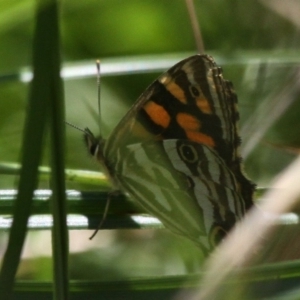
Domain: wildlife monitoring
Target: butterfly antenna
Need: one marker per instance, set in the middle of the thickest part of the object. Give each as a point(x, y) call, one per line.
point(103, 218)
point(100, 134)
point(76, 127)
point(195, 25)
point(99, 96)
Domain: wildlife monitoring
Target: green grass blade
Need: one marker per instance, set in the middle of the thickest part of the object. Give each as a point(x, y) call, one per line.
point(31, 154)
point(57, 134)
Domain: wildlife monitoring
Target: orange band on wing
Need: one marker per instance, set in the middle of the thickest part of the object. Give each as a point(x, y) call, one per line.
point(177, 92)
point(200, 138)
point(191, 126)
point(157, 114)
point(203, 104)
point(188, 122)
point(173, 88)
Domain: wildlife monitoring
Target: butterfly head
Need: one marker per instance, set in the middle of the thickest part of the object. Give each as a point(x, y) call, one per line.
point(94, 144)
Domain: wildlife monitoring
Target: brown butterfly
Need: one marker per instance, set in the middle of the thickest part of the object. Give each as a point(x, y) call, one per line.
point(176, 152)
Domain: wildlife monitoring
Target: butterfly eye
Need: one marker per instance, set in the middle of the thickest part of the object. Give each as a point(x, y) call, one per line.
point(188, 153)
point(217, 235)
point(93, 149)
point(195, 91)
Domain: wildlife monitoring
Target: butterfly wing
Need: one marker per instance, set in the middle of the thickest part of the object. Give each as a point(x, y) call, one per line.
point(185, 184)
point(190, 101)
point(176, 152)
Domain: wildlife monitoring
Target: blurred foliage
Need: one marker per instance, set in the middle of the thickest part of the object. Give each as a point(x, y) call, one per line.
point(99, 29)
point(257, 40)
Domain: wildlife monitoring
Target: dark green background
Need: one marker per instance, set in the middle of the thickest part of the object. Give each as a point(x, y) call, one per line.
point(257, 46)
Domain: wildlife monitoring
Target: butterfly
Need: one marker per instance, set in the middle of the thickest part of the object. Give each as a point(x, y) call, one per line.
point(176, 152)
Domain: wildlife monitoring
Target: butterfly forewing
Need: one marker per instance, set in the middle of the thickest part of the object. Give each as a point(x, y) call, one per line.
point(190, 101)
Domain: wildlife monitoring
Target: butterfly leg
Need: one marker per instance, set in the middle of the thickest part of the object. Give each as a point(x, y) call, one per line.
point(110, 195)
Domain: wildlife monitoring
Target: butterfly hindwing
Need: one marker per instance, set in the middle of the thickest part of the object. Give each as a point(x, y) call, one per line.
point(185, 184)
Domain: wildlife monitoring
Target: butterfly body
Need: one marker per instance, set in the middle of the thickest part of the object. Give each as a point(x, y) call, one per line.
point(176, 152)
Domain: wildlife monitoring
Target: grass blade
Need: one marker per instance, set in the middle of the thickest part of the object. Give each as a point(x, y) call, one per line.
point(31, 154)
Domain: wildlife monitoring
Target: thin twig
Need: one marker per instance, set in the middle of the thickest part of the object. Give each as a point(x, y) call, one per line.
point(195, 26)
